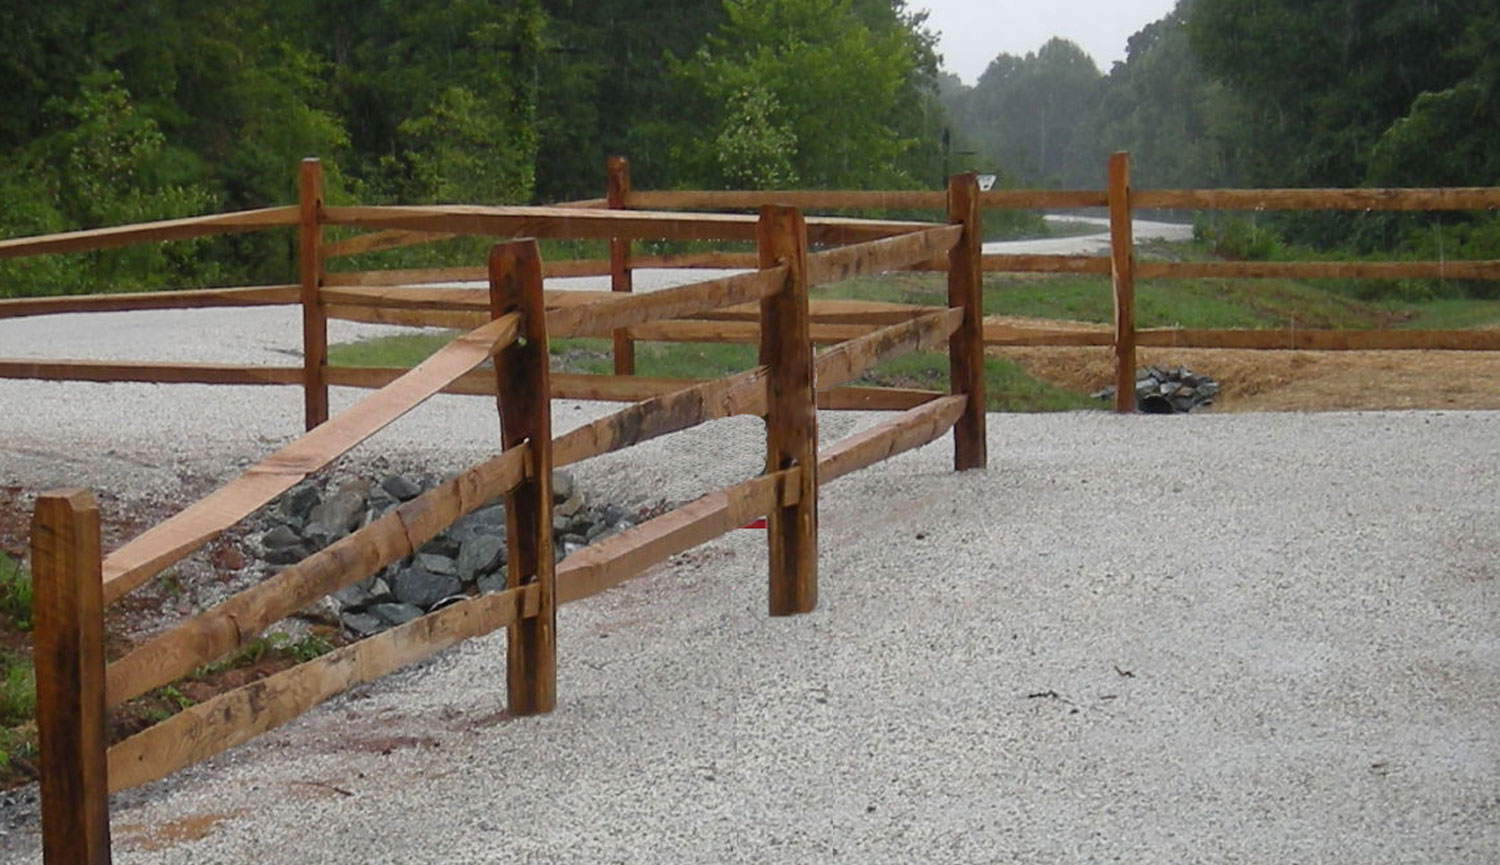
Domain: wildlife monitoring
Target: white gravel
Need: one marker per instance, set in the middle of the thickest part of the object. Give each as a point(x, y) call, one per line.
point(1220, 639)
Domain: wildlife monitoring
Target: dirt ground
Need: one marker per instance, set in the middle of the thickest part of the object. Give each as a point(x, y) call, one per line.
point(1293, 381)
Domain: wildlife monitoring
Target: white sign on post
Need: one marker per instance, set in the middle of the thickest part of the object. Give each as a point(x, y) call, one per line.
point(986, 181)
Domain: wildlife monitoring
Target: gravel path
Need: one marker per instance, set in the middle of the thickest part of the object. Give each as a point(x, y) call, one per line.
point(1245, 638)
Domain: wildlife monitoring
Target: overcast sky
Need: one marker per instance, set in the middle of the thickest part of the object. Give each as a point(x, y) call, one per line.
point(972, 32)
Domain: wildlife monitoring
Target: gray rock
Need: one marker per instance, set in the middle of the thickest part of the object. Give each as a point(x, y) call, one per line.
point(363, 624)
point(401, 489)
point(563, 486)
point(480, 554)
point(437, 564)
point(491, 582)
point(395, 614)
point(442, 544)
point(300, 500)
point(280, 536)
point(362, 594)
point(570, 507)
point(422, 588)
point(560, 523)
point(338, 514)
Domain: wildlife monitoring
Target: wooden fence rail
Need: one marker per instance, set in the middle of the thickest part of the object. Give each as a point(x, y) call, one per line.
point(782, 389)
point(510, 322)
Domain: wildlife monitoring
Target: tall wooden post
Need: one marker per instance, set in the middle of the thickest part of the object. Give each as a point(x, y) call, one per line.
point(68, 612)
point(310, 272)
point(966, 345)
point(620, 276)
point(524, 392)
point(1122, 261)
point(791, 412)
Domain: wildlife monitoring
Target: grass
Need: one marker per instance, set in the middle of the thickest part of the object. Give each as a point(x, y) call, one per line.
point(1009, 388)
point(17, 676)
point(1189, 303)
point(15, 593)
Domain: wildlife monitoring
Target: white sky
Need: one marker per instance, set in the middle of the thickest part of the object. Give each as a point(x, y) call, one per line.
point(972, 32)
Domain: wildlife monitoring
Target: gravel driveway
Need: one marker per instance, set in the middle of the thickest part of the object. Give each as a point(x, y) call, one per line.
point(1222, 639)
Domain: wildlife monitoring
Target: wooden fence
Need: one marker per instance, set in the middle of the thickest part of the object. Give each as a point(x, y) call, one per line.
point(511, 321)
point(75, 580)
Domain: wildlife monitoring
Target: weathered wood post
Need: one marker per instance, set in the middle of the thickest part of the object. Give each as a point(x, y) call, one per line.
point(310, 273)
point(966, 345)
point(524, 394)
point(791, 412)
point(68, 614)
point(620, 276)
point(1122, 264)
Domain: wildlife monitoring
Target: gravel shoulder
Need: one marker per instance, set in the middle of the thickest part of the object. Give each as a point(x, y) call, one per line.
point(1206, 638)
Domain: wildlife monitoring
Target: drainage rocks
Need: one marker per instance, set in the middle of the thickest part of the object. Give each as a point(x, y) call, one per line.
point(465, 559)
point(1168, 390)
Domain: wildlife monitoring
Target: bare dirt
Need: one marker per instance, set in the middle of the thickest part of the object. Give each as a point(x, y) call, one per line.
point(1286, 381)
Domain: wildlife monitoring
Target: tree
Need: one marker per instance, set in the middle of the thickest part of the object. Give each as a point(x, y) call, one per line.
point(1035, 115)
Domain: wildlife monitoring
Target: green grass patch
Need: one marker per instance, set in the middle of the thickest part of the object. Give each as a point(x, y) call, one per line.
point(1007, 387)
point(1188, 303)
point(15, 593)
point(1447, 314)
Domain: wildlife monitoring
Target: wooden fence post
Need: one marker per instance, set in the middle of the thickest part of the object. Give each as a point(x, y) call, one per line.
point(966, 346)
point(791, 412)
point(1122, 261)
point(620, 276)
point(68, 612)
point(310, 273)
point(524, 395)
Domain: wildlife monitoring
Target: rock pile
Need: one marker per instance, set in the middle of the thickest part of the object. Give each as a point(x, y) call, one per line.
point(467, 558)
point(1168, 390)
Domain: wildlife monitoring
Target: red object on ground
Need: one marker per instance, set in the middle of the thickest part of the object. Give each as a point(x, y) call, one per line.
point(755, 524)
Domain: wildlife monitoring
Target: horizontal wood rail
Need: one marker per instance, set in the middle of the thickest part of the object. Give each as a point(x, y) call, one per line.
point(857, 199)
point(150, 232)
point(379, 241)
point(145, 556)
point(850, 359)
point(201, 298)
point(624, 310)
point(806, 199)
point(609, 388)
point(551, 222)
point(1475, 198)
point(878, 256)
point(235, 717)
point(238, 716)
point(142, 371)
point(216, 632)
point(1318, 269)
point(1080, 264)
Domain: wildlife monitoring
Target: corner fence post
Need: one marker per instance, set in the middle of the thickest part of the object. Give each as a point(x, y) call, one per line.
point(620, 276)
point(68, 612)
point(523, 388)
point(1122, 266)
point(791, 412)
point(966, 345)
point(310, 274)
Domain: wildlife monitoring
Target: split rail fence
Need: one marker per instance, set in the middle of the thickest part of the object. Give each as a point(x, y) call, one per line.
point(75, 580)
point(510, 322)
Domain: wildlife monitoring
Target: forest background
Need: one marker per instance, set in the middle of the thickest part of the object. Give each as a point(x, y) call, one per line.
point(126, 112)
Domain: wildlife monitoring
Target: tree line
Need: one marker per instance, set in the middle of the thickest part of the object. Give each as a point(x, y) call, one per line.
point(1266, 93)
point(124, 112)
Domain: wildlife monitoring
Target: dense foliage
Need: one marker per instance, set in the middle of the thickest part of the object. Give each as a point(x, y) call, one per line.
point(164, 108)
point(1314, 93)
point(116, 113)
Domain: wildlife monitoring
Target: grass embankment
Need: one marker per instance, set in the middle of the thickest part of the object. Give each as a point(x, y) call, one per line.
point(1187, 303)
point(1008, 388)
